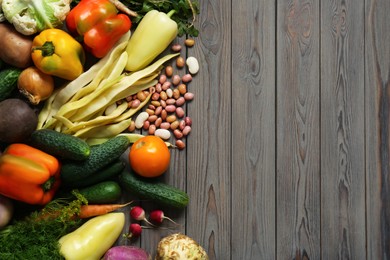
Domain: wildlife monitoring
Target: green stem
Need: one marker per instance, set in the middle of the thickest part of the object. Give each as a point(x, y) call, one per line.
point(171, 13)
point(47, 49)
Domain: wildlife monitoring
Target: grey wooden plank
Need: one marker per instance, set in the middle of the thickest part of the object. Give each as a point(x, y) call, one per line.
point(298, 135)
point(253, 130)
point(377, 84)
point(209, 145)
point(342, 130)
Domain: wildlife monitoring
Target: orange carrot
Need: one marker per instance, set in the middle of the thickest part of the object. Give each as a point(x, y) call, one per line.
point(88, 211)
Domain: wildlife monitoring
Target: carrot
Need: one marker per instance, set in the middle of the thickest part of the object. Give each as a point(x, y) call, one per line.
point(88, 211)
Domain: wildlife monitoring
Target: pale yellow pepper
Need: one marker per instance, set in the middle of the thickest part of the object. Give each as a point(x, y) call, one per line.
point(151, 37)
point(93, 238)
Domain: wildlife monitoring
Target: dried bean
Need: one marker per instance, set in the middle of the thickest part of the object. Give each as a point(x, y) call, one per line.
point(179, 112)
point(176, 47)
point(171, 101)
point(129, 98)
point(192, 64)
point(176, 80)
point(170, 108)
point(162, 79)
point(152, 118)
point(151, 106)
point(131, 126)
point(152, 129)
point(158, 122)
point(180, 62)
point(166, 85)
point(141, 118)
point(186, 130)
point(135, 103)
point(155, 96)
point(158, 110)
point(177, 133)
point(149, 111)
point(163, 95)
point(180, 101)
point(165, 125)
point(186, 78)
point(188, 121)
point(146, 125)
point(155, 103)
point(171, 118)
point(162, 133)
point(174, 125)
point(158, 87)
point(175, 93)
point(182, 88)
point(141, 96)
point(169, 71)
point(189, 42)
point(169, 92)
point(164, 114)
point(180, 144)
point(163, 103)
point(188, 96)
point(182, 124)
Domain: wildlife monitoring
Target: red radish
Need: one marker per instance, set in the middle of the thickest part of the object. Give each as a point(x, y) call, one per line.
point(138, 213)
point(135, 230)
point(157, 216)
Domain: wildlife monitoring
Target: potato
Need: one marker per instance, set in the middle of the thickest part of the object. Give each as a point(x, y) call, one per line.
point(17, 121)
point(16, 47)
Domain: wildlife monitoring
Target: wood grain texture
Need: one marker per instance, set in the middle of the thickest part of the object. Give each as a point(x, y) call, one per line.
point(342, 130)
point(253, 130)
point(209, 144)
point(377, 83)
point(298, 146)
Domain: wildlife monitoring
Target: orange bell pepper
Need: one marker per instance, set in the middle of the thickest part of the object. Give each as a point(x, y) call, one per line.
point(28, 174)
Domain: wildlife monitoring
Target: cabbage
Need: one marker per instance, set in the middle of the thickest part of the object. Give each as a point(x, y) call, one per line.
point(32, 16)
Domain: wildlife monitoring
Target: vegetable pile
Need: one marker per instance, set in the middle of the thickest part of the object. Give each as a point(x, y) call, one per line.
point(92, 102)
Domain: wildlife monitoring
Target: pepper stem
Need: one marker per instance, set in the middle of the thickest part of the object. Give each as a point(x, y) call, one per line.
point(171, 13)
point(47, 49)
point(48, 184)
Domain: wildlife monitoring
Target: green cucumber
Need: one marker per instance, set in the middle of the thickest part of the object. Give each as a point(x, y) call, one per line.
point(156, 191)
point(107, 173)
point(103, 192)
point(101, 155)
point(9, 78)
point(59, 144)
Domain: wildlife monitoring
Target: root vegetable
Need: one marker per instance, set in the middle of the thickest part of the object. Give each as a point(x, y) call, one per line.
point(17, 120)
point(126, 252)
point(138, 213)
point(35, 85)
point(157, 216)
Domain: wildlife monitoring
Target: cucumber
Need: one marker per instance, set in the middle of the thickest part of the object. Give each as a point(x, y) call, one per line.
point(107, 173)
point(103, 192)
point(101, 155)
point(156, 191)
point(59, 144)
point(9, 78)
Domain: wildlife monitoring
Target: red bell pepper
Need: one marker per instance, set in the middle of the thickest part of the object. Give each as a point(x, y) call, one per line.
point(99, 24)
point(28, 174)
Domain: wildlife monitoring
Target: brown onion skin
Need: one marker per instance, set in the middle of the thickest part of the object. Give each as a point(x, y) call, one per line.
point(35, 85)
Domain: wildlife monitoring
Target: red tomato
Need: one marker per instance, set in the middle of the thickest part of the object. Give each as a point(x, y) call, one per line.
point(149, 156)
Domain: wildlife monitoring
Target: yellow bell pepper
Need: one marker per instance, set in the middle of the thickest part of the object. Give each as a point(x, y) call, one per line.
point(151, 37)
point(93, 238)
point(57, 53)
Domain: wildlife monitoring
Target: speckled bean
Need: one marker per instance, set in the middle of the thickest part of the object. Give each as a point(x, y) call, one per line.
point(169, 71)
point(189, 42)
point(170, 108)
point(176, 80)
point(155, 96)
point(135, 103)
point(152, 129)
point(141, 118)
point(186, 130)
point(186, 78)
point(177, 133)
point(180, 101)
point(166, 85)
point(188, 121)
point(175, 93)
point(171, 118)
point(163, 95)
point(179, 112)
point(158, 110)
point(152, 118)
point(171, 101)
point(149, 111)
point(162, 79)
point(158, 122)
point(176, 47)
point(169, 92)
point(174, 125)
point(180, 144)
point(165, 125)
point(131, 126)
point(164, 114)
point(188, 96)
point(158, 87)
point(182, 88)
point(141, 96)
point(182, 124)
point(146, 125)
point(180, 62)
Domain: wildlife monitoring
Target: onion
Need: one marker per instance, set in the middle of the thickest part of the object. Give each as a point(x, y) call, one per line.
point(126, 252)
point(35, 85)
point(6, 210)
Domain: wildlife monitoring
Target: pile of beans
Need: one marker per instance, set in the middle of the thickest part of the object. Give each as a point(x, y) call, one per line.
point(164, 115)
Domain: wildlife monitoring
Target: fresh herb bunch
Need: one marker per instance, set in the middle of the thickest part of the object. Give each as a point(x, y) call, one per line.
point(36, 236)
point(185, 12)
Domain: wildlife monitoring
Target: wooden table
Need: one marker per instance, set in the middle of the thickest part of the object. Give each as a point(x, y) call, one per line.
point(288, 157)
